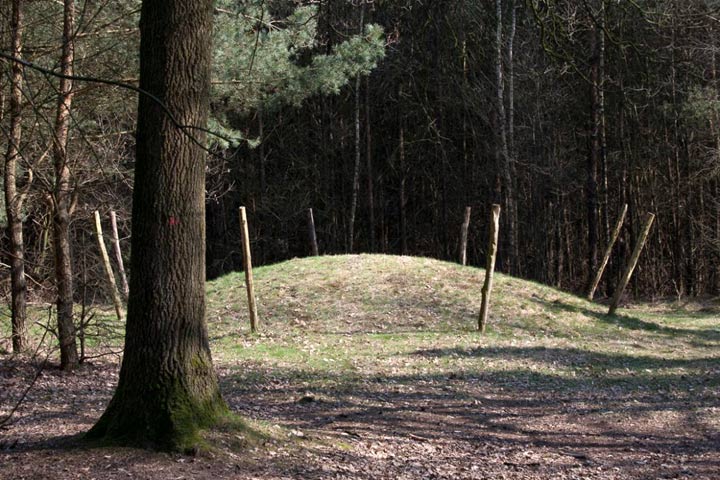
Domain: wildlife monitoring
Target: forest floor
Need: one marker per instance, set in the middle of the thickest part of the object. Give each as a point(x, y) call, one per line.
point(369, 367)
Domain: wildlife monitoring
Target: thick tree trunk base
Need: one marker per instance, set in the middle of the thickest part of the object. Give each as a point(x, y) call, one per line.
point(163, 416)
point(168, 390)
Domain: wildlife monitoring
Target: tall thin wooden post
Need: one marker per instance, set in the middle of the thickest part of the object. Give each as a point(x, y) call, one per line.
point(247, 265)
point(608, 251)
point(118, 254)
point(312, 237)
point(631, 265)
point(464, 236)
point(108, 268)
point(490, 267)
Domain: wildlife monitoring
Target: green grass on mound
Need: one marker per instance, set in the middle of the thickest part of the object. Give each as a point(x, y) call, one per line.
point(348, 319)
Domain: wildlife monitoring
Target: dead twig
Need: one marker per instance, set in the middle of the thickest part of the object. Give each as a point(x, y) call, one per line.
point(4, 422)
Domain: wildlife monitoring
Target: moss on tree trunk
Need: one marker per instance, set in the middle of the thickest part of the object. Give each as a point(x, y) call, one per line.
point(165, 411)
point(168, 389)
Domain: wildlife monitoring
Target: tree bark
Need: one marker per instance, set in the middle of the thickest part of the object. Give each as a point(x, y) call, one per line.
point(716, 184)
point(13, 198)
point(631, 264)
point(261, 151)
point(603, 122)
point(62, 198)
point(511, 79)
point(368, 162)
point(608, 251)
point(312, 236)
point(108, 268)
point(464, 236)
point(356, 168)
point(403, 195)
point(247, 267)
point(716, 269)
point(502, 152)
point(118, 254)
point(593, 158)
point(489, 268)
point(168, 388)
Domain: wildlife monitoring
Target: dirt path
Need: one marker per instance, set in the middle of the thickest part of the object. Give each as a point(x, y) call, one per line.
point(401, 427)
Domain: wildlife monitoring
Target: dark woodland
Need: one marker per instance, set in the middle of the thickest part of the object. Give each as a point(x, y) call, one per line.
point(562, 112)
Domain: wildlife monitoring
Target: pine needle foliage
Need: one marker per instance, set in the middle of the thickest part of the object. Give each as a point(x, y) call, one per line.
point(269, 54)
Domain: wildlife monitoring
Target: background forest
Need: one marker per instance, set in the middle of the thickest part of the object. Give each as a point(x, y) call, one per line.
point(387, 118)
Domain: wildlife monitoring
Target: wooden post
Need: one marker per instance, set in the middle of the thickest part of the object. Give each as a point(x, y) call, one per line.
point(108, 268)
point(608, 251)
point(247, 265)
point(311, 233)
point(464, 236)
point(631, 265)
point(490, 267)
point(118, 254)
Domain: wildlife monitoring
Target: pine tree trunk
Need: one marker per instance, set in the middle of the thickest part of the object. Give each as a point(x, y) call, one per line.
point(716, 268)
point(716, 184)
point(464, 236)
point(593, 160)
point(261, 152)
point(381, 215)
point(502, 152)
point(368, 162)
point(356, 167)
point(603, 123)
point(63, 191)
point(13, 199)
point(312, 236)
point(512, 153)
point(168, 388)
point(403, 196)
point(511, 79)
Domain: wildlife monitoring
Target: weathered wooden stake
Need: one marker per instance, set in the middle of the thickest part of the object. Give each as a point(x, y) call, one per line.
point(247, 265)
point(108, 268)
point(464, 236)
point(311, 233)
point(608, 251)
point(631, 265)
point(490, 267)
point(118, 254)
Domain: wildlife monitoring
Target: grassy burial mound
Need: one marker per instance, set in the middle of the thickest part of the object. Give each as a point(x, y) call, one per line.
point(348, 314)
point(382, 351)
point(370, 366)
